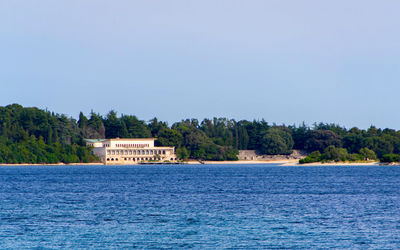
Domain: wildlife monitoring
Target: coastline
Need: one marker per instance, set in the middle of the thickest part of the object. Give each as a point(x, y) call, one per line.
point(295, 162)
point(286, 162)
point(375, 163)
point(193, 162)
point(51, 164)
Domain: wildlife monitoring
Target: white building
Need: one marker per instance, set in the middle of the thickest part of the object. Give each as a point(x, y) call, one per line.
point(130, 151)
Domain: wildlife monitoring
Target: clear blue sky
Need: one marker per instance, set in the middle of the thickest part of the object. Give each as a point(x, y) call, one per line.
point(284, 61)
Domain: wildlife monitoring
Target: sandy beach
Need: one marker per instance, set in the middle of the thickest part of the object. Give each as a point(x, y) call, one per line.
point(333, 164)
point(193, 162)
point(51, 164)
point(293, 162)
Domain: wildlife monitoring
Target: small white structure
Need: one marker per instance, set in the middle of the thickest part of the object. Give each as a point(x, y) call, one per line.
point(130, 151)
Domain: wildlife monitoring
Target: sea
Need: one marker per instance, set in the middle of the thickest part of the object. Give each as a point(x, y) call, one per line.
point(199, 207)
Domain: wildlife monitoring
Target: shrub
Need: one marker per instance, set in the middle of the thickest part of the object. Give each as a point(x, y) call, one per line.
point(313, 157)
point(367, 154)
point(388, 158)
point(335, 154)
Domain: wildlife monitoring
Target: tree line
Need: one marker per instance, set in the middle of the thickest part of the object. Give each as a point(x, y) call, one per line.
point(32, 135)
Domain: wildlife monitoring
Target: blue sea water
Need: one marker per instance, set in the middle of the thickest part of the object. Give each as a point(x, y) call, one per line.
point(207, 206)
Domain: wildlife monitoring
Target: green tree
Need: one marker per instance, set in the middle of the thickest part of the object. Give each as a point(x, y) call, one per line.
point(83, 121)
point(169, 137)
point(182, 153)
point(320, 139)
point(335, 154)
point(389, 158)
point(314, 156)
point(367, 154)
point(276, 141)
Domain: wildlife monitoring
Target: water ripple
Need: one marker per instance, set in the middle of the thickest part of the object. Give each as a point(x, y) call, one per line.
point(238, 207)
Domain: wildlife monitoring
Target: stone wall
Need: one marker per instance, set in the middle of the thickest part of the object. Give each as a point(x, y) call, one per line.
point(251, 155)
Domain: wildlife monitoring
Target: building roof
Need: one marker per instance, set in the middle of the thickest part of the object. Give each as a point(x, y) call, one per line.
point(131, 139)
point(121, 139)
point(95, 140)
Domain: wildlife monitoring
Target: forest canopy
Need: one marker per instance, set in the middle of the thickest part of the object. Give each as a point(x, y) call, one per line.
point(32, 135)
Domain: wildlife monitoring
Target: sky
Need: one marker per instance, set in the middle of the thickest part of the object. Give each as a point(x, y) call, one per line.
point(287, 62)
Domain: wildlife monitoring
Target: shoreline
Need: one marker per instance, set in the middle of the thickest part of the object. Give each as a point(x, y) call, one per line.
point(51, 164)
point(292, 162)
point(295, 162)
point(193, 162)
point(336, 164)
